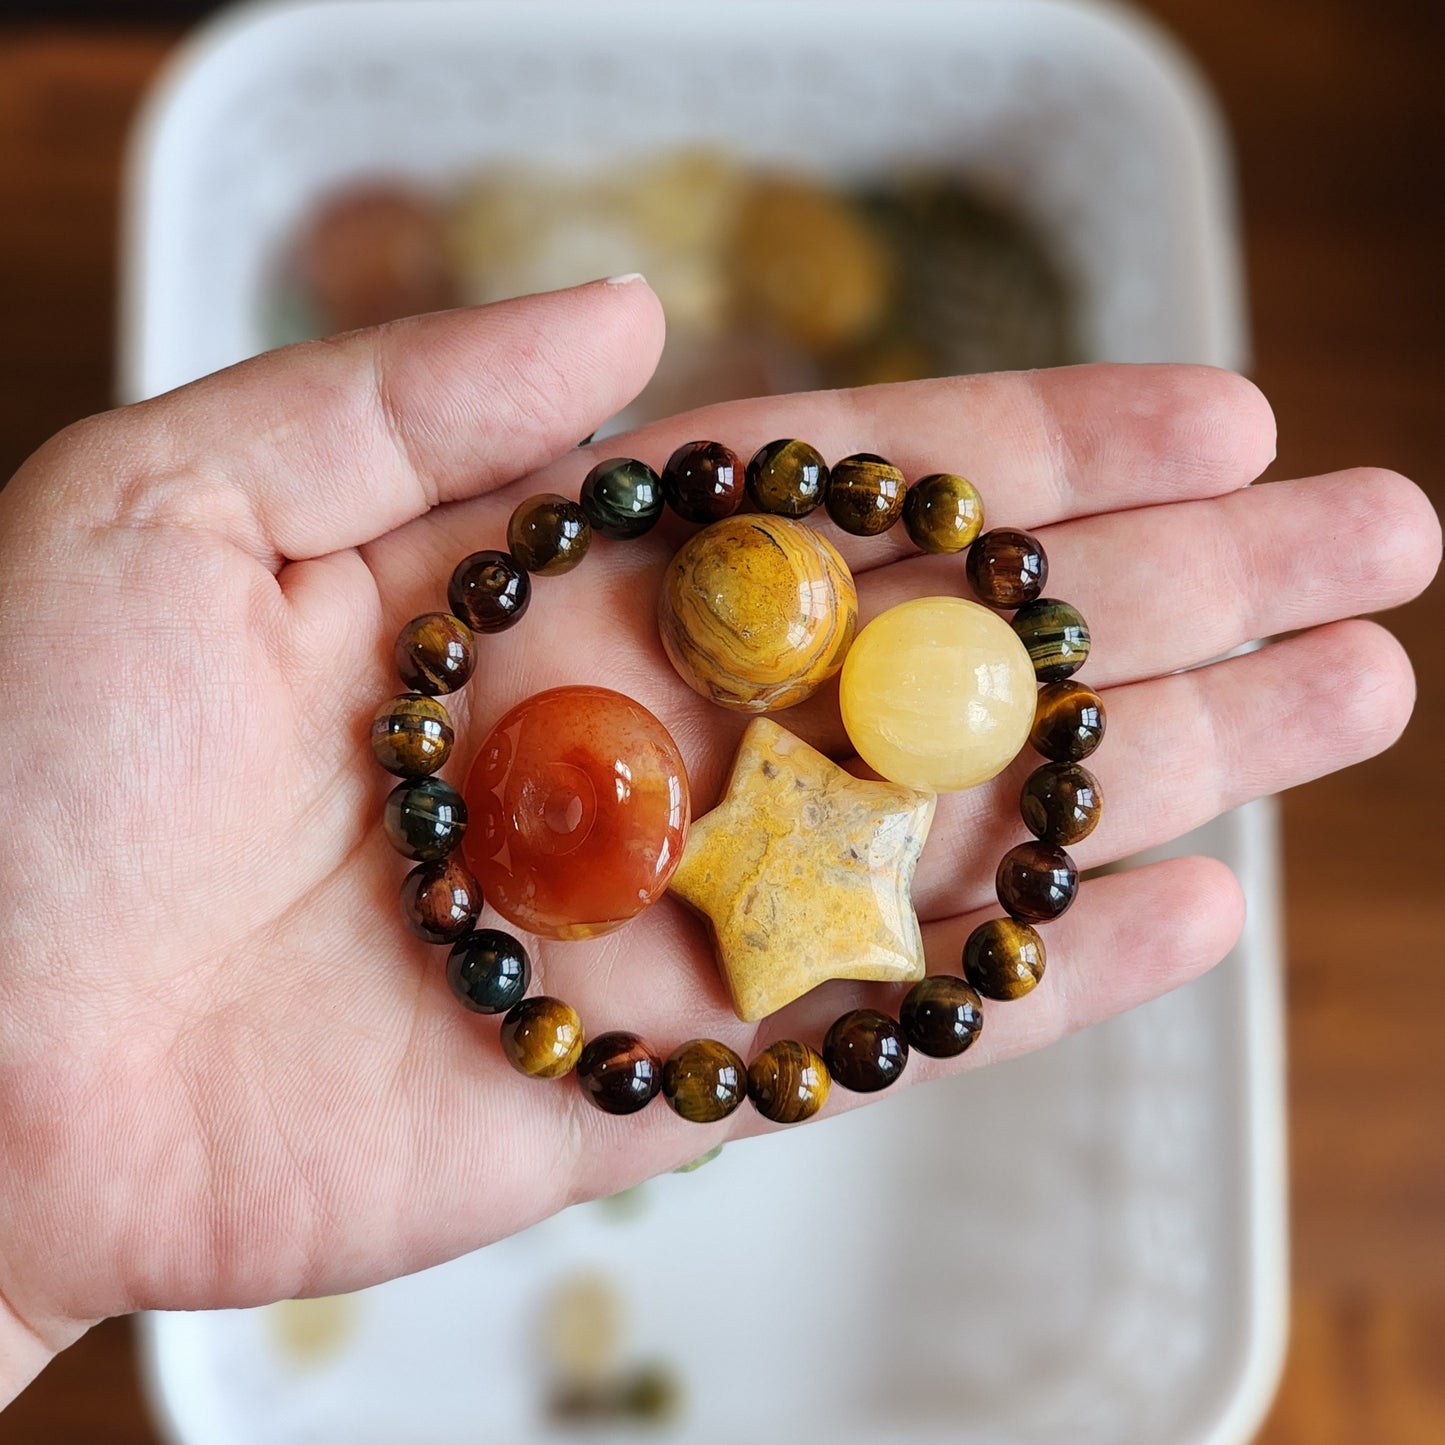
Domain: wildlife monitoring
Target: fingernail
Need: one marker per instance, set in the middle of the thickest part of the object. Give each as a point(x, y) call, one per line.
point(626, 279)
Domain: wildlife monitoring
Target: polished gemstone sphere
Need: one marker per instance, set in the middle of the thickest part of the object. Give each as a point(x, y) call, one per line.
point(865, 1051)
point(942, 512)
point(424, 818)
point(1003, 959)
point(489, 971)
point(1036, 882)
point(703, 481)
point(435, 653)
point(1056, 636)
point(1007, 568)
point(622, 498)
point(704, 1081)
point(938, 694)
point(757, 612)
point(1069, 721)
point(941, 1016)
point(1061, 803)
point(440, 901)
point(787, 477)
point(865, 494)
point(548, 534)
point(788, 1082)
point(578, 805)
point(542, 1037)
point(489, 591)
point(411, 735)
point(619, 1072)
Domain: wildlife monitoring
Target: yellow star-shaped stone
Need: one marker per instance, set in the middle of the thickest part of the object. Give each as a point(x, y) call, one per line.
point(803, 873)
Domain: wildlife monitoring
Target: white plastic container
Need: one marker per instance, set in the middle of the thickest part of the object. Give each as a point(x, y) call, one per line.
point(1083, 1246)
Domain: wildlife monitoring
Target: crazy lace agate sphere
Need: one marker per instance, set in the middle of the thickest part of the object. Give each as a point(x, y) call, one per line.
point(757, 612)
point(578, 806)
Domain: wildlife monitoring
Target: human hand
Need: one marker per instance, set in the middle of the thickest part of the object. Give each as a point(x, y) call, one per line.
point(228, 1074)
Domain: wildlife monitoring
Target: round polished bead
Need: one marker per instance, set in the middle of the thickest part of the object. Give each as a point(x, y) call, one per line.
point(788, 1082)
point(440, 901)
point(424, 819)
point(704, 1081)
point(542, 1037)
point(942, 512)
point(865, 494)
point(787, 477)
point(1003, 959)
point(622, 498)
point(1061, 803)
point(757, 613)
point(435, 653)
point(703, 481)
point(548, 534)
point(937, 694)
point(941, 1016)
point(1006, 568)
point(619, 1073)
point(489, 591)
point(865, 1051)
point(578, 802)
point(1069, 721)
point(1036, 882)
point(411, 735)
point(1056, 636)
point(489, 971)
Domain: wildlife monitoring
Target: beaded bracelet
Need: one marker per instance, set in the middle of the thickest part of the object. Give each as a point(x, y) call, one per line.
point(533, 796)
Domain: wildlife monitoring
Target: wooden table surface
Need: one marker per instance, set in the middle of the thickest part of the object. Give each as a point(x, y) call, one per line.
point(1338, 108)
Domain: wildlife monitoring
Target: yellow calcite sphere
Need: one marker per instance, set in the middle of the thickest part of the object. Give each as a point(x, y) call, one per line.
point(938, 694)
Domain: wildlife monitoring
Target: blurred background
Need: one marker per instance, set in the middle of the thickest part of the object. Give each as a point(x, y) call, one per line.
point(776, 276)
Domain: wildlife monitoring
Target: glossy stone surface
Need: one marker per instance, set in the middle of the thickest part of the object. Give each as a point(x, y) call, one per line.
point(704, 1081)
point(788, 1082)
point(1061, 803)
point(548, 534)
point(542, 1037)
point(1007, 568)
point(489, 591)
point(489, 971)
point(756, 612)
point(941, 1016)
point(803, 873)
point(938, 694)
point(440, 901)
point(411, 735)
point(1003, 959)
point(1056, 636)
point(424, 819)
point(865, 494)
point(865, 1051)
point(1069, 721)
point(622, 498)
point(619, 1072)
point(943, 512)
point(787, 477)
point(1036, 882)
point(703, 481)
point(578, 804)
point(435, 653)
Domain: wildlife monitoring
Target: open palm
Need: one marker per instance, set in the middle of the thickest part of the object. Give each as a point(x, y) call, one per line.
point(228, 1074)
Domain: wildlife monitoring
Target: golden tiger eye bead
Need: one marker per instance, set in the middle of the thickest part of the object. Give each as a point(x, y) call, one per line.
point(1003, 959)
point(757, 612)
point(704, 1081)
point(1056, 636)
point(1036, 882)
point(1006, 568)
point(703, 481)
point(941, 1016)
point(489, 591)
point(411, 735)
point(440, 901)
point(618, 1072)
point(865, 1051)
point(1061, 803)
point(865, 494)
point(787, 478)
point(1069, 721)
point(542, 1037)
point(435, 653)
point(942, 512)
point(788, 1082)
point(548, 534)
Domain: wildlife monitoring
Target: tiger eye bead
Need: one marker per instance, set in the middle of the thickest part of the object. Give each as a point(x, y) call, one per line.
point(411, 735)
point(787, 478)
point(489, 971)
point(704, 1081)
point(435, 653)
point(542, 1037)
point(788, 1082)
point(865, 1051)
point(1006, 568)
point(941, 1016)
point(424, 820)
point(1056, 636)
point(1069, 721)
point(703, 481)
point(440, 901)
point(1003, 959)
point(548, 534)
point(942, 512)
point(1036, 882)
point(619, 1073)
point(489, 591)
point(865, 494)
point(1061, 803)
point(622, 498)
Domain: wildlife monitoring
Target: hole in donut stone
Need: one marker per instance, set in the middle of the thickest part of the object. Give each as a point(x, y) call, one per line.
point(557, 809)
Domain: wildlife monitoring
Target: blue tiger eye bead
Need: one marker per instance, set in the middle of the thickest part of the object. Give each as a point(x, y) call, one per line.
point(489, 971)
point(622, 498)
point(1056, 636)
point(424, 820)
